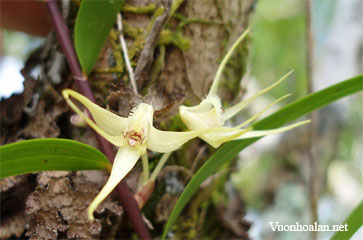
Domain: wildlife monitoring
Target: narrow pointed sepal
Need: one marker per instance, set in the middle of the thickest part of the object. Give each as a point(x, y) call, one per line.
point(261, 133)
point(107, 124)
point(232, 111)
point(168, 141)
point(253, 118)
point(125, 160)
point(214, 88)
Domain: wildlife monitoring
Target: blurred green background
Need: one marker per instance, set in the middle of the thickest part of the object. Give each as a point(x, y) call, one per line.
point(273, 174)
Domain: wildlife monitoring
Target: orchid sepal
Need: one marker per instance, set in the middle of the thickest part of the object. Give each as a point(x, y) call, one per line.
point(125, 160)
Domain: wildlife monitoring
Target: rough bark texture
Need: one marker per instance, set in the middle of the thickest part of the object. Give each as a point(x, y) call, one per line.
point(53, 204)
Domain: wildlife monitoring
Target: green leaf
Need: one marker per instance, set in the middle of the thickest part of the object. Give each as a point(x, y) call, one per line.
point(93, 24)
point(287, 114)
point(354, 222)
point(49, 154)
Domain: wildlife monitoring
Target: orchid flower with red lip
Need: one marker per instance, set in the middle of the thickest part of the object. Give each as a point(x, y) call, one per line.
point(209, 113)
point(133, 135)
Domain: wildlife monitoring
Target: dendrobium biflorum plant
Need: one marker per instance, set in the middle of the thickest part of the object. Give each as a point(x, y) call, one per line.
point(133, 135)
point(136, 133)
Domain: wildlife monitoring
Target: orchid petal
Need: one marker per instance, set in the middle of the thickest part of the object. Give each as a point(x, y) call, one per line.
point(232, 111)
point(260, 133)
point(206, 114)
point(101, 116)
point(167, 141)
point(214, 88)
point(209, 103)
point(261, 112)
point(200, 120)
point(217, 139)
point(125, 160)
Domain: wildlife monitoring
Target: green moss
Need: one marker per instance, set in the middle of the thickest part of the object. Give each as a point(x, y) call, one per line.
point(175, 124)
point(156, 14)
point(184, 21)
point(186, 227)
point(139, 9)
point(176, 38)
point(131, 31)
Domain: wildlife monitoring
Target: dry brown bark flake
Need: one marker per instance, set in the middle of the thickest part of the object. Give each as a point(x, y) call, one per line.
point(57, 208)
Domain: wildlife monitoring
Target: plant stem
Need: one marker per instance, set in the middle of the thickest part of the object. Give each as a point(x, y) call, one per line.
point(127, 199)
point(313, 164)
point(145, 167)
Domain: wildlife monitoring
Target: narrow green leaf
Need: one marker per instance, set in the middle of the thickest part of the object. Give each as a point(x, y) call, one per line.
point(287, 114)
point(93, 24)
point(354, 222)
point(49, 154)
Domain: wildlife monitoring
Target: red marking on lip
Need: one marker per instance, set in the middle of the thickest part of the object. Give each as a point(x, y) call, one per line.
point(136, 136)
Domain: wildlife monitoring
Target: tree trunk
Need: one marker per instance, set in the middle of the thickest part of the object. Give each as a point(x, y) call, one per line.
point(52, 204)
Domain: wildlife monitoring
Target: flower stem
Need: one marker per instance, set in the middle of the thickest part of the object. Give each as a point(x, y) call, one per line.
point(127, 199)
point(313, 138)
point(160, 165)
point(145, 167)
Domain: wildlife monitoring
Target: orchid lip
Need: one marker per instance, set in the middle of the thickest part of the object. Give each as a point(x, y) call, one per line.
point(134, 137)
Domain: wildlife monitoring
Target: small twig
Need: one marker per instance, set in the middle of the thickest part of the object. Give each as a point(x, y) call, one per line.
point(170, 168)
point(147, 54)
point(127, 199)
point(216, 176)
point(126, 54)
point(148, 223)
point(312, 142)
point(201, 221)
point(197, 159)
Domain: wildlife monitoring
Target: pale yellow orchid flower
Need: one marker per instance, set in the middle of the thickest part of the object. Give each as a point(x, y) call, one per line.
point(209, 113)
point(133, 135)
